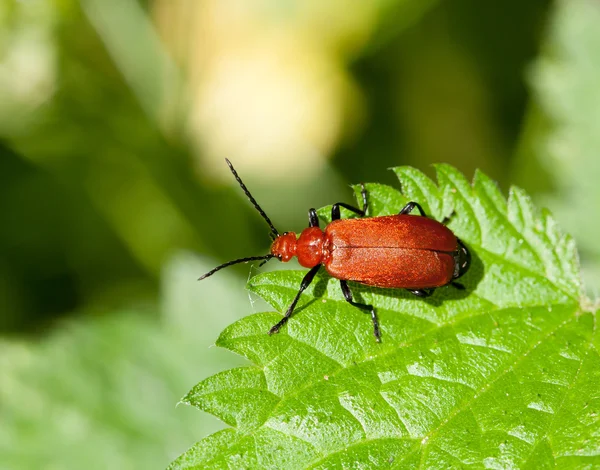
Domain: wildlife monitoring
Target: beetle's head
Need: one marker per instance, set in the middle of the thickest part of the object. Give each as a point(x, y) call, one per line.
point(462, 260)
point(284, 246)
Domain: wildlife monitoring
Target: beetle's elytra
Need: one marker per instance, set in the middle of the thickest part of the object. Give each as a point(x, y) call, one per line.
point(396, 251)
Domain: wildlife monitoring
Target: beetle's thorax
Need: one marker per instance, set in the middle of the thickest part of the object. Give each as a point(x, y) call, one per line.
point(308, 247)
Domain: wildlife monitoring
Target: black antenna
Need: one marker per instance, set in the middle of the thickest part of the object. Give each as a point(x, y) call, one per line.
point(236, 261)
point(274, 232)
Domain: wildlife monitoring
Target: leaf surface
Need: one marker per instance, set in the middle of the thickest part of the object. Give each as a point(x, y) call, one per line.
point(502, 374)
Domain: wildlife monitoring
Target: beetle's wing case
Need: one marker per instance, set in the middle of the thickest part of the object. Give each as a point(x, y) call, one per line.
point(398, 231)
point(398, 251)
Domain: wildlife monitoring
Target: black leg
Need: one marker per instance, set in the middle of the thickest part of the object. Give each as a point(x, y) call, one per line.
point(363, 193)
point(348, 295)
point(335, 209)
point(448, 218)
point(303, 285)
point(458, 285)
point(410, 206)
point(421, 292)
point(313, 218)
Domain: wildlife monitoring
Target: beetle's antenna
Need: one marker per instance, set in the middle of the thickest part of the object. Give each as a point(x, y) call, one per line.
point(274, 232)
point(236, 261)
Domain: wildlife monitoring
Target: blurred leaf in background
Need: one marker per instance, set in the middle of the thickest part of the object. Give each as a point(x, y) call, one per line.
point(560, 148)
point(449, 89)
point(102, 393)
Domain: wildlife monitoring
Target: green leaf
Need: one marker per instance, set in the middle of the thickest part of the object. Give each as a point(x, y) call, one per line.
point(503, 375)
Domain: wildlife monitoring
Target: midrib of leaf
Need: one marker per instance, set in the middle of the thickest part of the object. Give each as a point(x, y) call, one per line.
point(336, 348)
point(390, 352)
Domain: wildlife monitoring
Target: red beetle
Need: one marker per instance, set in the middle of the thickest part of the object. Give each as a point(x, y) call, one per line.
point(395, 251)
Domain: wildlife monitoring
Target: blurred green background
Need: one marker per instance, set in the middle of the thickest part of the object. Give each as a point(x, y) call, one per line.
point(116, 117)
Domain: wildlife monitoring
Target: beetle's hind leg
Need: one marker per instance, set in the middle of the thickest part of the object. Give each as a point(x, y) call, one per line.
point(421, 292)
point(348, 296)
point(335, 209)
point(407, 209)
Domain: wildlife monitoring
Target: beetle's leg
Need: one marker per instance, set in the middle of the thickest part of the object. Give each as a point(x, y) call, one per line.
point(313, 218)
point(421, 292)
point(458, 285)
point(348, 295)
point(303, 285)
point(363, 193)
point(335, 209)
point(410, 206)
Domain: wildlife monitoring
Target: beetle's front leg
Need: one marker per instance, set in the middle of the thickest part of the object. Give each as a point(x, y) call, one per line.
point(308, 278)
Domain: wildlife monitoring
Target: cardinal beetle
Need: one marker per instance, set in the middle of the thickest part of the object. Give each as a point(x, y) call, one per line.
point(394, 251)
